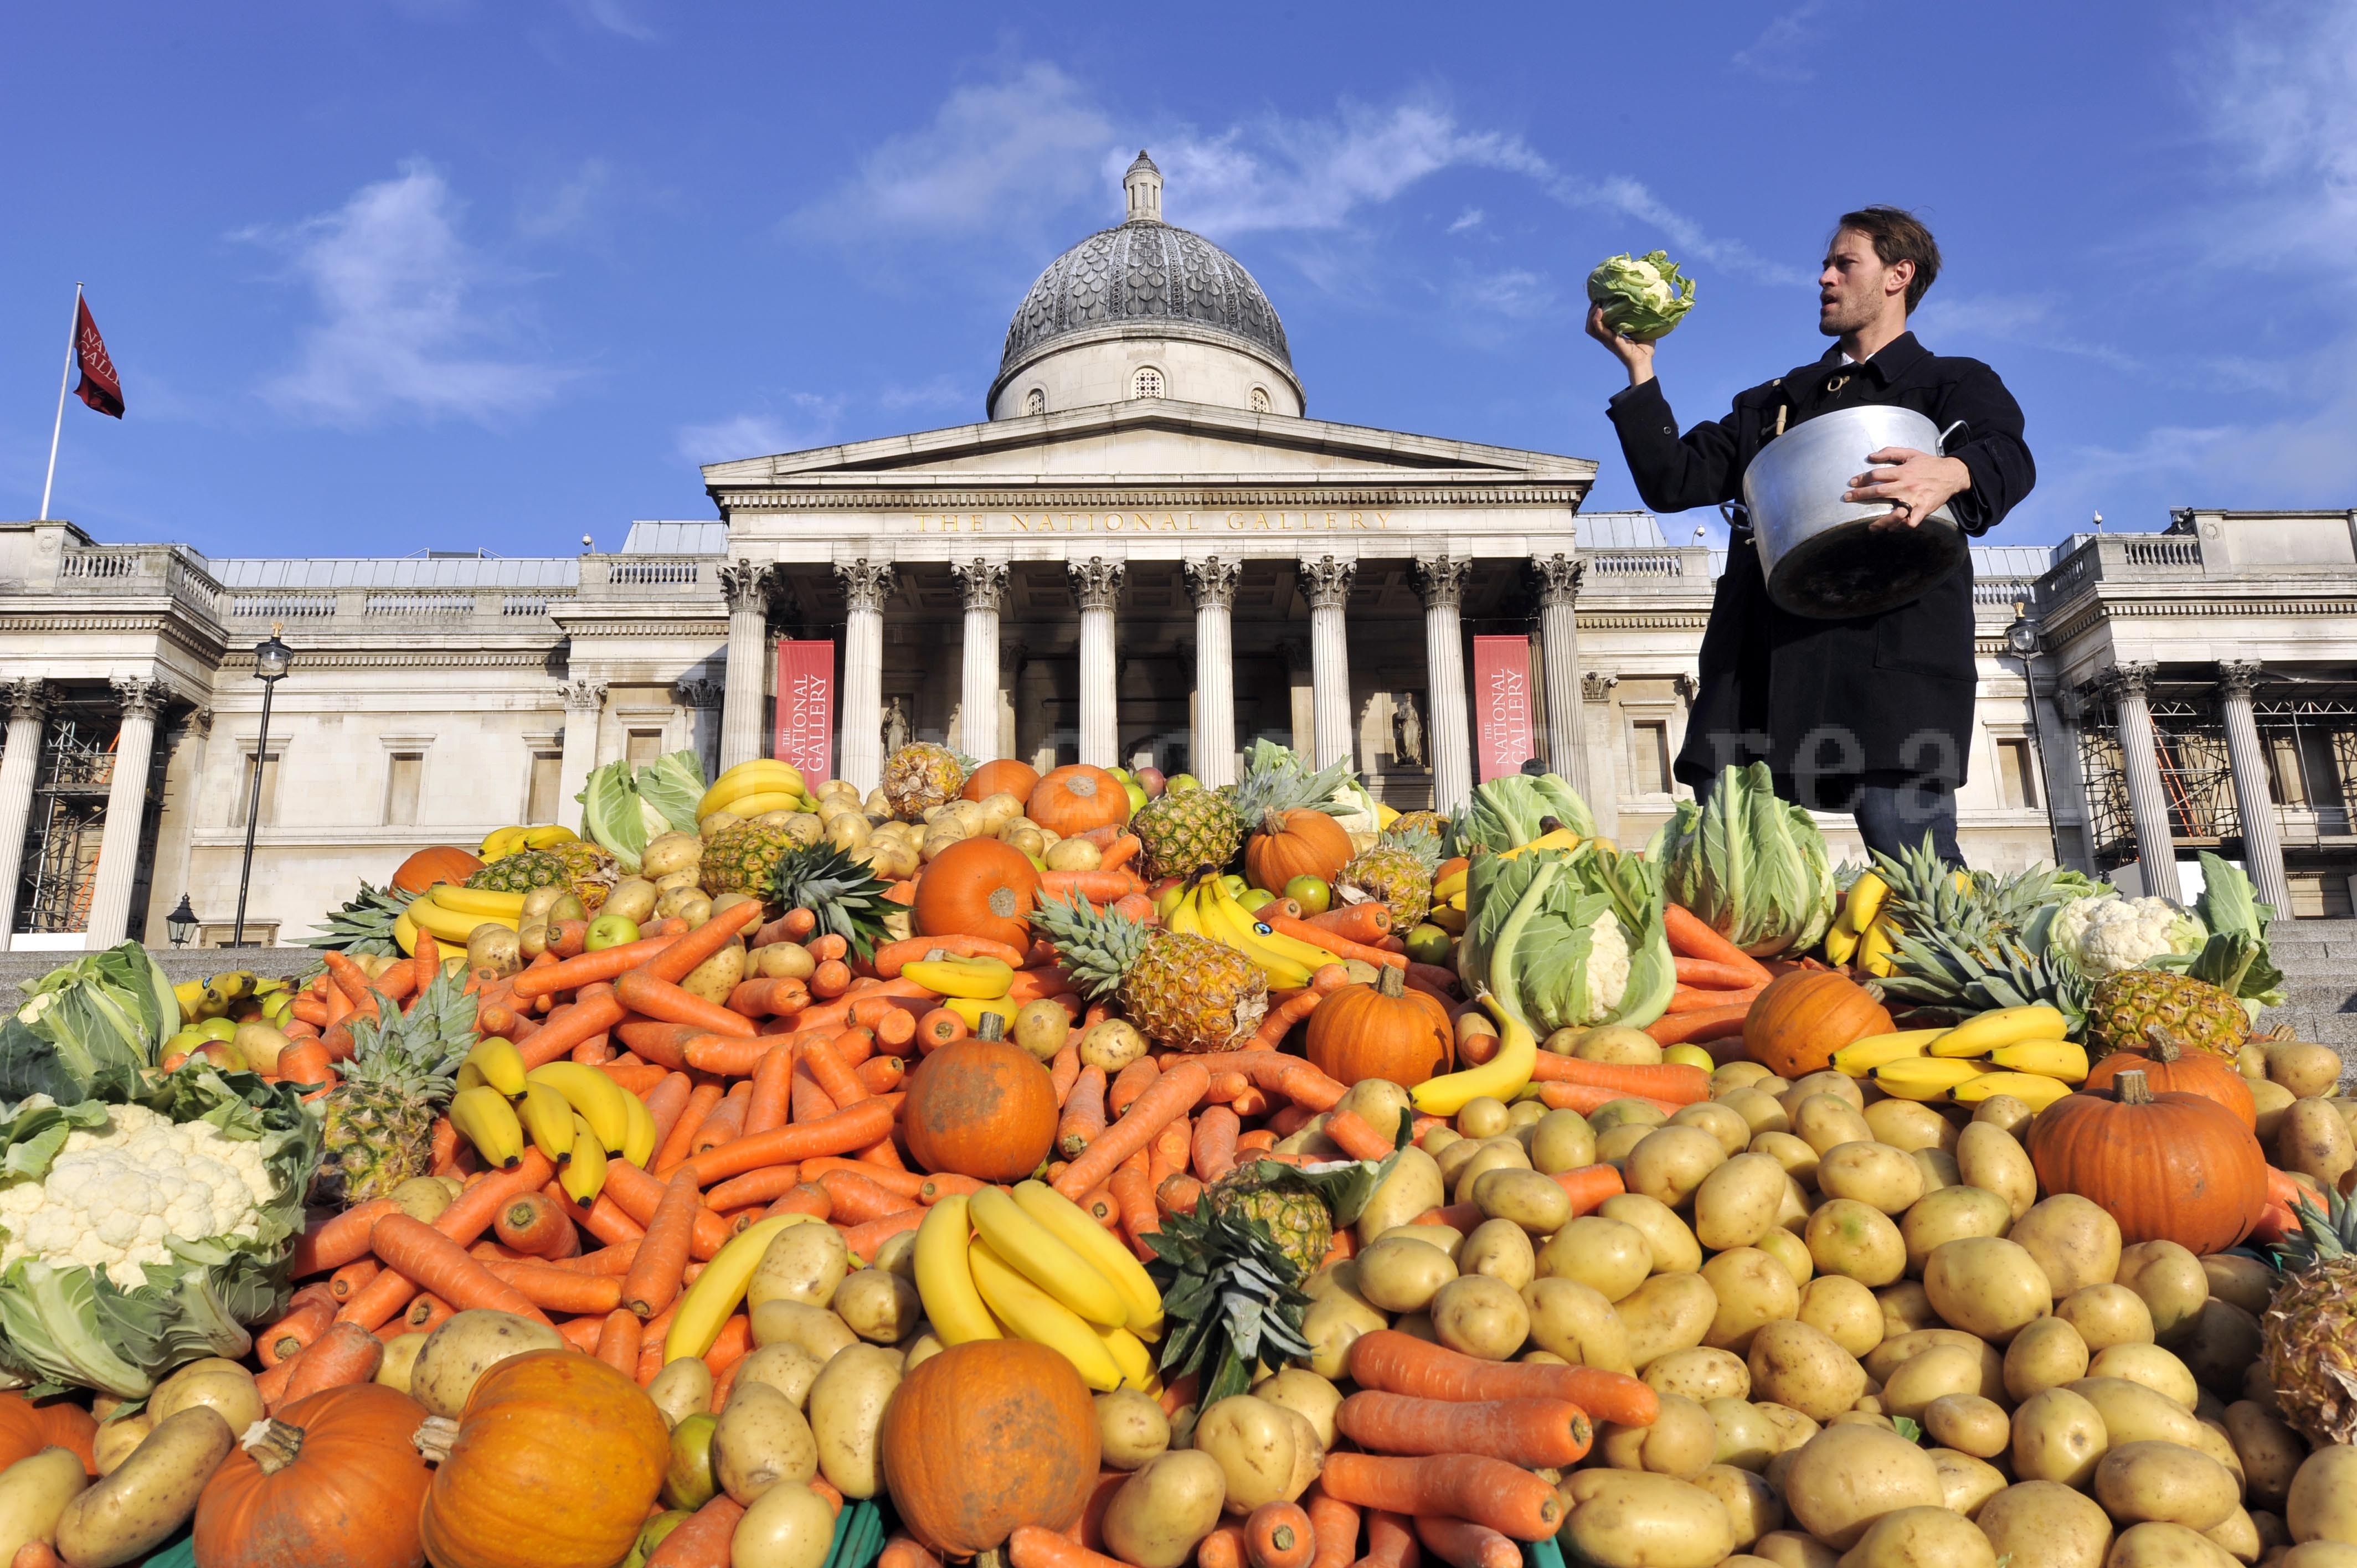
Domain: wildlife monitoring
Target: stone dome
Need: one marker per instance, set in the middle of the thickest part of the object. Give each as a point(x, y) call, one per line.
point(1147, 279)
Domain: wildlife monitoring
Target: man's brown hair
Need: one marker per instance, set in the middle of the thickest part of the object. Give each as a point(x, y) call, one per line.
point(1899, 236)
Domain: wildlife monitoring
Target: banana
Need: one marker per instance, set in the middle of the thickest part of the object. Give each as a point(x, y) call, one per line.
point(762, 775)
point(1130, 1354)
point(719, 1290)
point(227, 989)
point(1309, 955)
point(763, 801)
point(983, 979)
point(404, 932)
point(483, 1116)
point(1860, 1058)
point(449, 924)
point(1071, 1224)
point(498, 844)
point(597, 1099)
point(1865, 900)
point(490, 905)
point(1985, 1032)
point(499, 1063)
point(190, 995)
point(1502, 1077)
point(1924, 1078)
point(639, 1142)
point(2048, 1059)
point(1231, 926)
point(1042, 1258)
point(469, 1076)
point(1874, 950)
point(1036, 1315)
point(548, 1117)
point(1185, 918)
point(944, 1279)
point(1561, 838)
point(1451, 920)
point(1449, 886)
point(582, 1174)
point(547, 834)
point(974, 1009)
point(1841, 943)
point(2034, 1090)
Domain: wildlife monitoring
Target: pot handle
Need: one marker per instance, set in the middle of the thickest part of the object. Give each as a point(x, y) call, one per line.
point(1945, 434)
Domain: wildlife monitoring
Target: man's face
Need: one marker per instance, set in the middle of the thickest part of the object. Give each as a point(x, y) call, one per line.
point(1854, 286)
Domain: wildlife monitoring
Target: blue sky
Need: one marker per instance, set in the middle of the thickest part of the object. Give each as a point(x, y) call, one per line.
point(453, 273)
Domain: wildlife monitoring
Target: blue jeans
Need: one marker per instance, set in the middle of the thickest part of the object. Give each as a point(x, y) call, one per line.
point(1896, 817)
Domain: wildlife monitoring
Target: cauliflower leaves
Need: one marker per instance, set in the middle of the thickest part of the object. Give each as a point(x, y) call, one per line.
point(2106, 935)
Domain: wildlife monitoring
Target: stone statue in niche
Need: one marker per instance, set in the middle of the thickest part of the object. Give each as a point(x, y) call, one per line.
point(896, 733)
point(1410, 729)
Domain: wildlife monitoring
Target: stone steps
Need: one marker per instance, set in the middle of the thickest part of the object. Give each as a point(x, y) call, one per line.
point(2318, 959)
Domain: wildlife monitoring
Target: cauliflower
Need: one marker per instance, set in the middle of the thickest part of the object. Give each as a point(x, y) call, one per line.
point(2106, 935)
point(1608, 968)
point(113, 1197)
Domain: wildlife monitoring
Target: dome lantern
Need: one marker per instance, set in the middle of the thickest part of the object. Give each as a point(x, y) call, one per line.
point(1142, 186)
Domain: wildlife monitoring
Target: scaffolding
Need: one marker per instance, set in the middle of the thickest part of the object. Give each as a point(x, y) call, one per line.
point(66, 823)
point(2309, 743)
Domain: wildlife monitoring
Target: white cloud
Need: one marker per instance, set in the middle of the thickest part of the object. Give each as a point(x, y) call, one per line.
point(406, 326)
point(942, 391)
point(614, 16)
point(568, 208)
point(1468, 219)
point(2034, 321)
point(810, 422)
point(2278, 89)
point(1782, 51)
point(1514, 291)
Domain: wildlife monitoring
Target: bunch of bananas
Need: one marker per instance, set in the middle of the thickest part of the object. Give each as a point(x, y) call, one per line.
point(574, 1114)
point(1033, 1265)
point(750, 789)
point(450, 914)
point(973, 988)
point(2019, 1051)
point(500, 843)
point(1206, 909)
point(1447, 909)
point(1862, 931)
point(235, 992)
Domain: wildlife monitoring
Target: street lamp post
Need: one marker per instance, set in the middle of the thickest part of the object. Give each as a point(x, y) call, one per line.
point(181, 922)
point(271, 659)
point(2022, 638)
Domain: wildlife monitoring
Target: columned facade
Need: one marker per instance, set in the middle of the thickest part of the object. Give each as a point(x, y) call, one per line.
point(29, 711)
point(2130, 686)
point(1440, 584)
point(1096, 587)
point(584, 710)
point(865, 586)
point(2254, 805)
point(127, 810)
point(1556, 578)
point(1326, 584)
point(745, 585)
point(1211, 585)
point(982, 585)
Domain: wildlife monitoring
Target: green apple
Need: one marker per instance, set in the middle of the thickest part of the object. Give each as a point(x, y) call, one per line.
point(224, 1029)
point(1137, 794)
point(1180, 783)
point(1252, 898)
point(610, 932)
point(1427, 943)
point(1311, 893)
point(1120, 773)
point(185, 1043)
point(1235, 884)
point(222, 1055)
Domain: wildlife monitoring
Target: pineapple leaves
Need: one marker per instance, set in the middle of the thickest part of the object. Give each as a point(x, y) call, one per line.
point(847, 898)
point(1231, 1297)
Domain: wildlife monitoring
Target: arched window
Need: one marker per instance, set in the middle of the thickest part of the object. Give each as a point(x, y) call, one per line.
point(1035, 402)
point(1259, 404)
point(1148, 382)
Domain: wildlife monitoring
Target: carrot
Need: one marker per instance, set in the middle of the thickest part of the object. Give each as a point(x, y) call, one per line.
point(653, 1040)
point(1167, 1154)
point(560, 1290)
point(568, 1026)
point(654, 1282)
point(1390, 1541)
point(680, 956)
point(702, 1540)
point(853, 1127)
point(762, 998)
point(1224, 1548)
point(752, 1187)
point(699, 1105)
point(854, 1201)
point(1366, 922)
point(1350, 1133)
point(1692, 937)
point(1064, 1070)
point(1585, 1098)
point(1526, 1431)
point(1032, 1547)
point(725, 1122)
point(1589, 1186)
point(529, 1223)
point(306, 1062)
point(1083, 1121)
point(343, 1238)
point(940, 1027)
point(1485, 1491)
point(617, 1340)
point(349, 1281)
point(1173, 1095)
point(1133, 1193)
point(1279, 1020)
point(1670, 1082)
point(902, 1551)
point(349, 978)
point(830, 944)
point(1213, 1151)
point(1461, 1543)
point(1696, 999)
point(793, 925)
point(832, 1074)
point(803, 1197)
point(472, 1211)
point(1133, 1082)
point(305, 1321)
point(665, 1102)
point(437, 1263)
point(862, 1241)
point(1694, 1028)
point(772, 1081)
point(572, 973)
point(1711, 974)
point(839, 1012)
point(344, 1355)
point(1277, 1535)
point(1333, 1528)
point(1332, 941)
point(830, 979)
point(644, 990)
point(1400, 1363)
point(1096, 886)
point(891, 957)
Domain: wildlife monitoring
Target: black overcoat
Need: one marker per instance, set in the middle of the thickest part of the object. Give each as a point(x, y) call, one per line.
point(1883, 694)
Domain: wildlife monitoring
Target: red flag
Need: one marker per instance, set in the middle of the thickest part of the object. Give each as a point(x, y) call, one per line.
point(101, 387)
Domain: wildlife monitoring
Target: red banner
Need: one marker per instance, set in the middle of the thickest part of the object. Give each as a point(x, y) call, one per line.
point(806, 708)
point(1501, 703)
point(101, 387)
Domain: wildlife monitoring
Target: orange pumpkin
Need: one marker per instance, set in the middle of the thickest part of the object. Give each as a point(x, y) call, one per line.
point(27, 1427)
point(2168, 1070)
point(1804, 1016)
point(978, 887)
point(2167, 1167)
point(1294, 844)
point(333, 1477)
point(443, 863)
point(1006, 777)
point(980, 1108)
point(1384, 1030)
point(985, 1436)
point(1075, 798)
point(553, 1465)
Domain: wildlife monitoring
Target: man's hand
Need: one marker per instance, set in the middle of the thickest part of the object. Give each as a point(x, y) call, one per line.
point(1637, 357)
point(1915, 484)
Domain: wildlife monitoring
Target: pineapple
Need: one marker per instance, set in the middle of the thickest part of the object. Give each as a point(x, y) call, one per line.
point(379, 1120)
point(1186, 992)
point(1232, 1297)
point(847, 898)
point(2129, 1010)
point(743, 858)
point(1398, 872)
point(2308, 1334)
point(1968, 942)
point(1431, 822)
point(584, 870)
point(1297, 1217)
point(919, 778)
point(1187, 830)
point(365, 924)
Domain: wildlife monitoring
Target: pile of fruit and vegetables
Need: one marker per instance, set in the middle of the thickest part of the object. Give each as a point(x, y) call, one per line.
point(1091, 1169)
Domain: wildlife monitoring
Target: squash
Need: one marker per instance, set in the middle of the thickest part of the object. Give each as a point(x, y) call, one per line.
point(2168, 1070)
point(27, 1427)
point(1300, 843)
point(333, 1477)
point(1007, 775)
point(985, 1436)
point(2167, 1167)
point(1805, 1015)
point(980, 1108)
point(978, 887)
point(443, 863)
point(1384, 1030)
point(1075, 798)
point(554, 1464)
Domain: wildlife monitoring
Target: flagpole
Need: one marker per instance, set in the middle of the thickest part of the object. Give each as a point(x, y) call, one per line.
point(73, 332)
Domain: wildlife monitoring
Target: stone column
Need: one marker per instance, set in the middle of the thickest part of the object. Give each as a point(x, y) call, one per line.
point(746, 586)
point(984, 583)
point(585, 708)
point(866, 585)
point(1440, 582)
point(701, 700)
point(1326, 584)
point(1298, 712)
point(20, 767)
point(1212, 582)
point(1096, 584)
point(1603, 795)
point(126, 811)
point(2130, 686)
point(1556, 578)
point(2253, 804)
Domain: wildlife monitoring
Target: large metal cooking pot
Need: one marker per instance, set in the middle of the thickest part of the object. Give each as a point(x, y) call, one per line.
point(1820, 557)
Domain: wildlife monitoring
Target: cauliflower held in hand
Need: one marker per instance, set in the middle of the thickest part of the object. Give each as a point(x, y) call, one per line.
point(2105, 936)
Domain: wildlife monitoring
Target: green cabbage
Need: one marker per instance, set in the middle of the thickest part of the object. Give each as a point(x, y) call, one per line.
point(1642, 296)
point(1751, 866)
point(106, 1012)
point(1536, 938)
point(622, 811)
point(673, 784)
point(1505, 813)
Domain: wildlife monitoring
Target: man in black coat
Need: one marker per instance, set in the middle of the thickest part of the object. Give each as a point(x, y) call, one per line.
point(1872, 716)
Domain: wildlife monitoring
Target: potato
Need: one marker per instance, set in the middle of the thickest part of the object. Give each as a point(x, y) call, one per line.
point(1561, 1141)
point(847, 1406)
point(2073, 1241)
point(2238, 1535)
point(2057, 1435)
point(1882, 1362)
point(1399, 1274)
point(1682, 1441)
point(1610, 1256)
point(1668, 1312)
point(1337, 1315)
point(2046, 1354)
point(1752, 1507)
point(684, 1388)
point(1537, 1203)
point(1674, 1247)
point(1841, 1086)
point(877, 1305)
point(1951, 1214)
point(1671, 1163)
point(1908, 1125)
point(1845, 1311)
point(1922, 1538)
point(1257, 1448)
point(1737, 1201)
point(1792, 1253)
point(789, 1526)
point(400, 1360)
point(2150, 1365)
point(1305, 1393)
point(1846, 1477)
point(1991, 1159)
point(2172, 1283)
point(1965, 1482)
point(1799, 1160)
point(1414, 1187)
point(815, 1328)
point(145, 1500)
point(1747, 1439)
point(1623, 1520)
point(1937, 1167)
point(2043, 1524)
point(224, 1385)
point(466, 1346)
point(33, 1493)
point(787, 1367)
point(2241, 1282)
point(2305, 1068)
point(2134, 1414)
point(1761, 1112)
point(2313, 1140)
point(2270, 1451)
point(2158, 1544)
point(1131, 1428)
point(1575, 1322)
point(1701, 1374)
point(2310, 1554)
point(2141, 1482)
point(1825, 1121)
point(1158, 1515)
point(1501, 1250)
point(2322, 1502)
point(2222, 1344)
point(1987, 1285)
point(1795, 1365)
point(1792, 1549)
point(1942, 1371)
point(2106, 1315)
point(803, 1263)
point(1870, 1173)
point(1477, 1315)
point(1733, 1132)
point(1792, 1428)
point(2270, 1100)
point(761, 1440)
point(1855, 1240)
point(1621, 1114)
point(1752, 1289)
point(718, 975)
point(1969, 1424)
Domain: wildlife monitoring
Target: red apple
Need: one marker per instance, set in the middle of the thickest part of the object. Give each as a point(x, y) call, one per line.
point(1151, 780)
